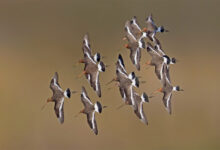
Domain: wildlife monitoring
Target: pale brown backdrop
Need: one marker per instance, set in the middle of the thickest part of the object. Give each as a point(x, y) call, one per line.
point(39, 37)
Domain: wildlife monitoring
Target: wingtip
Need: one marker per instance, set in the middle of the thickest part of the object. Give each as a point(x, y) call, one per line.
point(96, 133)
point(99, 94)
point(169, 111)
point(61, 120)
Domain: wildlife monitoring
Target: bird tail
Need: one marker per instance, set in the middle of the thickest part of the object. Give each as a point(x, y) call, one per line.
point(67, 93)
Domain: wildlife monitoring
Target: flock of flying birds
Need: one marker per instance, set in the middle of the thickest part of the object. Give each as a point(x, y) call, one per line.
point(138, 39)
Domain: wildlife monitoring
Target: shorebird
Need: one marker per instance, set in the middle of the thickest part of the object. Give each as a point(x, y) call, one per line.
point(93, 66)
point(167, 90)
point(134, 45)
point(151, 27)
point(126, 82)
point(158, 59)
point(139, 100)
point(90, 109)
point(58, 97)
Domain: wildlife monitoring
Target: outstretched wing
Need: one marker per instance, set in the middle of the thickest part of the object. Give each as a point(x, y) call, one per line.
point(135, 56)
point(135, 28)
point(140, 113)
point(167, 101)
point(88, 58)
point(158, 46)
point(166, 72)
point(85, 99)
point(120, 64)
point(152, 51)
point(139, 109)
point(54, 85)
point(165, 78)
point(58, 107)
point(86, 45)
point(94, 81)
point(92, 122)
point(128, 33)
point(159, 70)
point(129, 94)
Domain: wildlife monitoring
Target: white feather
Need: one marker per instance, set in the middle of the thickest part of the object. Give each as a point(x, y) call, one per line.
point(129, 32)
point(93, 120)
point(96, 81)
point(96, 107)
point(86, 98)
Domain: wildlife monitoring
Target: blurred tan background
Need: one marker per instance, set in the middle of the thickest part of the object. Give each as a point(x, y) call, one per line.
point(39, 37)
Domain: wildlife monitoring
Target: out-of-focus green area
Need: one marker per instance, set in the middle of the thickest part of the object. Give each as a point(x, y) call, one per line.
point(39, 37)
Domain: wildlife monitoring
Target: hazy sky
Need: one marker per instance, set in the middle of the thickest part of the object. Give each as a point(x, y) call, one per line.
point(39, 37)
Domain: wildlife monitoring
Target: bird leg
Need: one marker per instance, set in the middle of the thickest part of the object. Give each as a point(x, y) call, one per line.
point(127, 46)
point(122, 105)
point(117, 84)
point(48, 100)
point(82, 111)
point(83, 73)
point(158, 90)
point(81, 61)
point(114, 79)
point(144, 30)
point(148, 62)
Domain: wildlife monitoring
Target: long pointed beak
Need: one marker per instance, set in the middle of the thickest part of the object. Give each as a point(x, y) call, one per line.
point(151, 96)
point(107, 66)
point(120, 106)
point(74, 92)
point(143, 82)
point(166, 31)
point(110, 82)
point(139, 77)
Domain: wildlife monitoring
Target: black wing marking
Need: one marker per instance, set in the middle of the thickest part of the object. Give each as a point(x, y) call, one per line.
point(167, 101)
point(85, 98)
point(92, 122)
point(95, 82)
point(58, 107)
